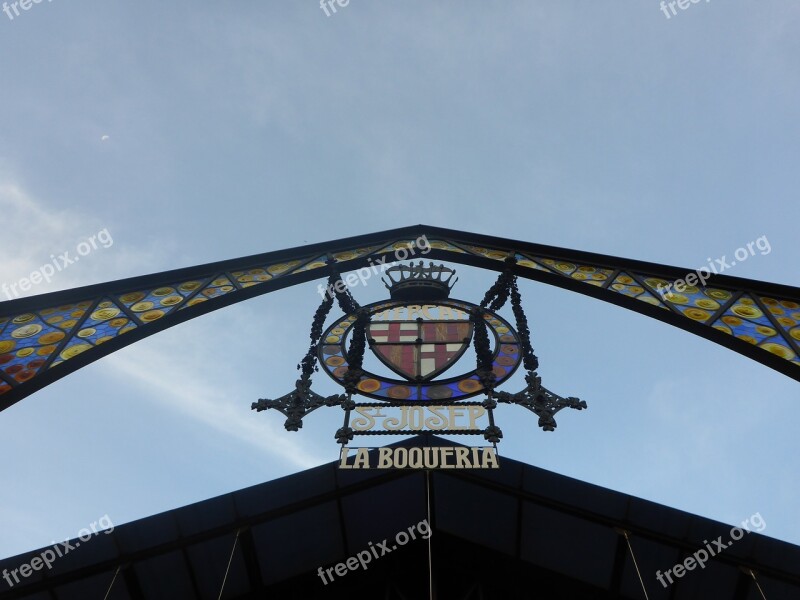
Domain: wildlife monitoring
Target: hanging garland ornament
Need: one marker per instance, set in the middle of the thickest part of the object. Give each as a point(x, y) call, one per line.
point(419, 334)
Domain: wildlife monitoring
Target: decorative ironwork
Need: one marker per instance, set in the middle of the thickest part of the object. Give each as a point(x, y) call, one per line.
point(541, 401)
point(418, 282)
point(400, 340)
point(298, 403)
point(302, 400)
point(756, 319)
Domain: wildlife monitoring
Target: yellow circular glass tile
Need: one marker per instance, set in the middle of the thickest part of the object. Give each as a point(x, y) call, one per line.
point(189, 286)
point(779, 350)
point(52, 338)
point(26, 331)
point(142, 306)
point(677, 298)
point(105, 313)
point(697, 314)
point(171, 300)
point(719, 294)
point(747, 312)
point(73, 351)
point(707, 304)
point(132, 297)
point(152, 315)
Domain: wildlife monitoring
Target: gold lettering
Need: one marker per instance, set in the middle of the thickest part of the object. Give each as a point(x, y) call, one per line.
point(416, 417)
point(445, 453)
point(384, 458)
point(489, 459)
point(413, 309)
point(395, 424)
point(446, 313)
point(430, 455)
point(366, 420)
point(461, 458)
point(422, 458)
point(362, 459)
point(343, 458)
point(456, 411)
point(398, 454)
point(438, 420)
point(475, 413)
point(426, 311)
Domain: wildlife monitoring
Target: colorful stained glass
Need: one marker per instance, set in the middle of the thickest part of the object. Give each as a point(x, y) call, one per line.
point(31, 341)
point(312, 264)
point(488, 252)
point(352, 254)
point(443, 245)
point(628, 286)
point(443, 342)
point(402, 245)
point(786, 313)
point(105, 323)
point(150, 305)
point(746, 321)
point(524, 260)
point(593, 275)
point(697, 303)
point(250, 277)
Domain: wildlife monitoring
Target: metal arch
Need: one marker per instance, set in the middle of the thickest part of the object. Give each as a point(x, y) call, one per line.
point(459, 247)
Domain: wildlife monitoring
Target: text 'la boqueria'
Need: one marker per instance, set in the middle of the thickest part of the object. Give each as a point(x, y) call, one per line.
point(420, 458)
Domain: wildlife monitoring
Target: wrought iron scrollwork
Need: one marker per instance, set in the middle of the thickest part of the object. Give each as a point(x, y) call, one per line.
point(538, 399)
point(302, 400)
point(298, 403)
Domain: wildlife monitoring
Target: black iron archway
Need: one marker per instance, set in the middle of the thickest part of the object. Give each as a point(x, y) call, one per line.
point(44, 338)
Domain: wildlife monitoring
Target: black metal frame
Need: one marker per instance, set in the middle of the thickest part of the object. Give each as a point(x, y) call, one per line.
point(457, 238)
point(521, 484)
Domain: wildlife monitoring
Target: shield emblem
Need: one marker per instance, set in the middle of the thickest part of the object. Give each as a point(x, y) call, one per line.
point(419, 350)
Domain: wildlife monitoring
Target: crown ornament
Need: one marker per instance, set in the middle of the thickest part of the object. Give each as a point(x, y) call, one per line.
point(419, 282)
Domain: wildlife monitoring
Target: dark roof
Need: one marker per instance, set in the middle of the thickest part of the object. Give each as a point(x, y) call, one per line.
point(516, 532)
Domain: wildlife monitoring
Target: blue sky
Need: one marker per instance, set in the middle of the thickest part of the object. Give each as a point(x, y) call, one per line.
point(236, 128)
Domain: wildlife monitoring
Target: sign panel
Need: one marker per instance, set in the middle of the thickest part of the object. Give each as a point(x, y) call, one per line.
point(438, 457)
point(418, 418)
point(419, 334)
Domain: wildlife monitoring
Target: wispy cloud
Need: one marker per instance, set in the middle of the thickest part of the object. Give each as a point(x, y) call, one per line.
point(41, 232)
point(197, 396)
